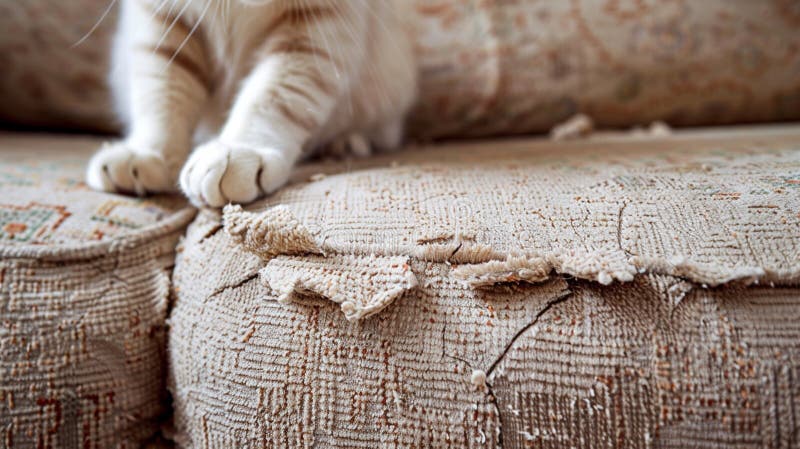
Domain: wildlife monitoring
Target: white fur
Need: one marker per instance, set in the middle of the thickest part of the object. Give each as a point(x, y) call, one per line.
point(245, 144)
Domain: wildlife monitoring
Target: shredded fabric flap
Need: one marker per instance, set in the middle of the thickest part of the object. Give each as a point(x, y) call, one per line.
point(362, 285)
point(515, 269)
point(603, 266)
point(269, 233)
point(714, 275)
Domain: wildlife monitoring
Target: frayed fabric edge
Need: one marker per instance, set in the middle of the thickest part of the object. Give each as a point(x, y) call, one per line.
point(361, 285)
point(604, 266)
point(607, 268)
point(277, 233)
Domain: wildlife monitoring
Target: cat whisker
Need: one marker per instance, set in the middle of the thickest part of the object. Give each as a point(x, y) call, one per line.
point(96, 25)
point(178, 18)
point(190, 34)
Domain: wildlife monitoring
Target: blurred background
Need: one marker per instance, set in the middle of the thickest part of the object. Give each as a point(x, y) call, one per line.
point(488, 67)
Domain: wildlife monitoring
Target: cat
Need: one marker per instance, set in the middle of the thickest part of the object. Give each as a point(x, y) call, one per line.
point(252, 86)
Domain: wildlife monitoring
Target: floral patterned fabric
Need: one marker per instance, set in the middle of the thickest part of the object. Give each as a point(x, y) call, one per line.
point(46, 203)
point(488, 67)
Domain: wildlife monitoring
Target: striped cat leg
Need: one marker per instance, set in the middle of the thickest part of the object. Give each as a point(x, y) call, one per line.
point(161, 80)
point(283, 104)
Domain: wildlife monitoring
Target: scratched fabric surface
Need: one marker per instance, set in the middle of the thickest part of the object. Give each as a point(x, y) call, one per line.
point(84, 281)
point(644, 297)
point(488, 67)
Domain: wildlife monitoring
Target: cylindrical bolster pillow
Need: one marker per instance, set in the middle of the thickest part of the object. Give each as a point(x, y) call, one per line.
point(488, 67)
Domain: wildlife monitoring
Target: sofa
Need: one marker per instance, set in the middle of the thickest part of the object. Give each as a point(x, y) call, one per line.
point(628, 289)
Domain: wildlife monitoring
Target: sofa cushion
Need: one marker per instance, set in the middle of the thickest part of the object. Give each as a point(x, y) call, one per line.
point(487, 67)
point(621, 291)
point(47, 206)
point(84, 281)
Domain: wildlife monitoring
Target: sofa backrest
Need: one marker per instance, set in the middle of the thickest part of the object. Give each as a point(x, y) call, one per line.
point(488, 68)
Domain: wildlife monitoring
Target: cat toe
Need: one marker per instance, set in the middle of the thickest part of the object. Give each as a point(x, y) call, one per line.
point(201, 178)
point(120, 168)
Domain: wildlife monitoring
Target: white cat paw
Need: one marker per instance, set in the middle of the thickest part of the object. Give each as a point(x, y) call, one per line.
point(120, 168)
point(217, 174)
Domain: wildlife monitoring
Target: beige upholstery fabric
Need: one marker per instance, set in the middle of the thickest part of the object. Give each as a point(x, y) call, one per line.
point(610, 293)
point(84, 280)
point(488, 67)
point(500, 67)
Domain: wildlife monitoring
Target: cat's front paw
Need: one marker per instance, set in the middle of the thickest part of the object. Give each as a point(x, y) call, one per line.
point(118, 167)
point(217, 174)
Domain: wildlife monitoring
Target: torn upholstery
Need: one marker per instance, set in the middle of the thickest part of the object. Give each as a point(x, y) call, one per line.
point(600, 212)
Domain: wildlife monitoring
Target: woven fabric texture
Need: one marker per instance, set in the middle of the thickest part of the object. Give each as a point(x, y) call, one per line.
point(610, 293)
point(46, 203)
point(84, 282)
point(487, 67)
point(507, 66)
